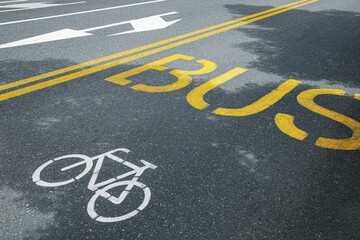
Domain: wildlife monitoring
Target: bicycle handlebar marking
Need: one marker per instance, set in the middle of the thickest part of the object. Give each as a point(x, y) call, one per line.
point(101, 188)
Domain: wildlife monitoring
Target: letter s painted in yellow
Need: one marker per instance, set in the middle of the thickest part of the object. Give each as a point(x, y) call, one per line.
point(306, 98)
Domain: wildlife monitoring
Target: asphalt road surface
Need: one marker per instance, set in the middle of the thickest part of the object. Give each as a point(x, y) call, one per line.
point(180, 119)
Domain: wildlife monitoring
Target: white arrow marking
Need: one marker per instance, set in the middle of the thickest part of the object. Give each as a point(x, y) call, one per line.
point(27, 6)
point(142, 24)
point(47, 37)
point(13, 1)
point(78, 13)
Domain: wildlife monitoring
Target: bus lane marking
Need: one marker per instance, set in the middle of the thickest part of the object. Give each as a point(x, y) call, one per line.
point(284, 122)
point(85, 72)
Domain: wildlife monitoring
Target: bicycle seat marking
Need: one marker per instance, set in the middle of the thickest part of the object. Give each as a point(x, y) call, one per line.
point(101, 189)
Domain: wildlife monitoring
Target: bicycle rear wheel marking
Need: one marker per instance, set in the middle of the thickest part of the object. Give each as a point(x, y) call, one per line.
point(85, 160)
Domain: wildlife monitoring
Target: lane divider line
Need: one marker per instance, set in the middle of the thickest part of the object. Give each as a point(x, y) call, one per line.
point(82, 73)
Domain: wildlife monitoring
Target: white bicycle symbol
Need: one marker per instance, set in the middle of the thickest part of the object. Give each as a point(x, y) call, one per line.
point(107, 184)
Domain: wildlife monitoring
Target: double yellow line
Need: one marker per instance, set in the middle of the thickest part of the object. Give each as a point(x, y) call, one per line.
point(155, 48)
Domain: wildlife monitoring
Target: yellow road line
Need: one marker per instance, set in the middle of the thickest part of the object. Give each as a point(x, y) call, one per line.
point(137, 56)
point(135, 50)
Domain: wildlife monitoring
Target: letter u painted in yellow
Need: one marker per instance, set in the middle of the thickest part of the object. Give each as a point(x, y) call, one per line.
point(196, 97)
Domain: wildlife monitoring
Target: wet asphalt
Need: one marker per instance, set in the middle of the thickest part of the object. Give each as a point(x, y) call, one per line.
point(217, 177)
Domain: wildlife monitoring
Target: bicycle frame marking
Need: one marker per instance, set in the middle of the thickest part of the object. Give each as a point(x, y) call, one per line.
point(101, 188)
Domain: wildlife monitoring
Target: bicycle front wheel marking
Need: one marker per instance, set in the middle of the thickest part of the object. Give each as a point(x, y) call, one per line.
point(91, 205)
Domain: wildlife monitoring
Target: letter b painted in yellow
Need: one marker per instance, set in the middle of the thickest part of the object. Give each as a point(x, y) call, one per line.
point(183, 77)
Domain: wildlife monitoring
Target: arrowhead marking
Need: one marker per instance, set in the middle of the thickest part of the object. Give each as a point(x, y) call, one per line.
point(147, 24)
